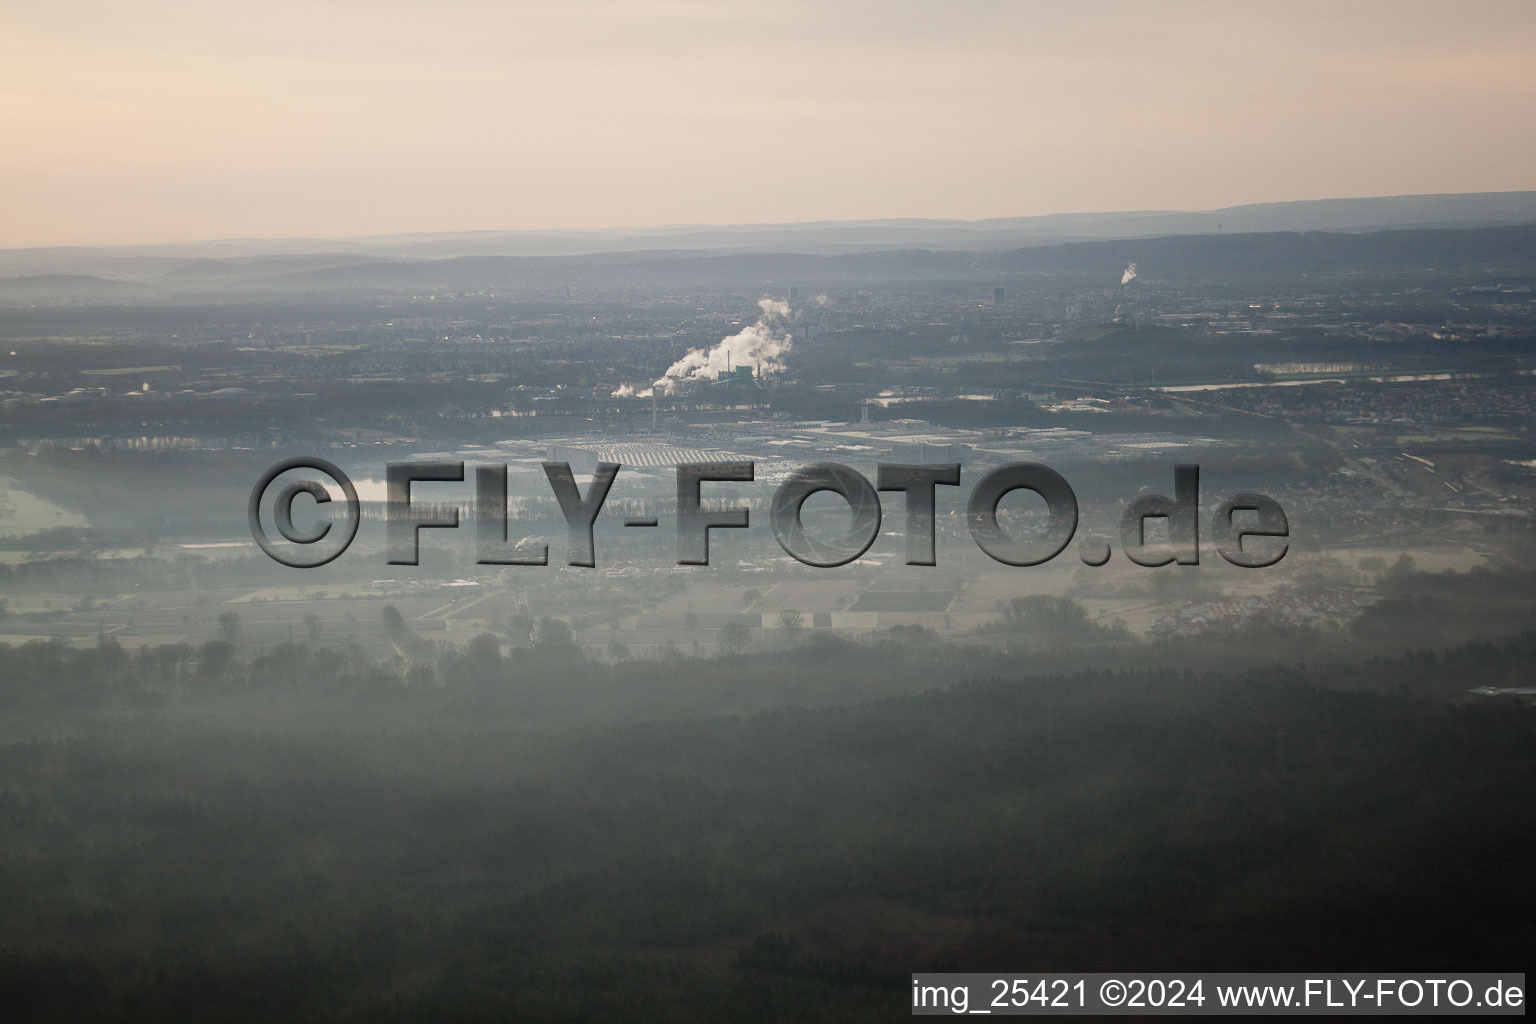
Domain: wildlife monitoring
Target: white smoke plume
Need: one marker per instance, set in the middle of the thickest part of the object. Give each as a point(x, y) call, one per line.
point(1129, 275)
point(623, 391)
point(760, 345)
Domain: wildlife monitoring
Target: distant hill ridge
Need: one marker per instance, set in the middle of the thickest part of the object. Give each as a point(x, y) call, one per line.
point(50, 275)
point(1477, 209)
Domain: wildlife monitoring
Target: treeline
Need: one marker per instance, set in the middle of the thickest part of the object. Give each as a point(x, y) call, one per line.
point(1438, 609)
point(546, 677)
point(543, 675)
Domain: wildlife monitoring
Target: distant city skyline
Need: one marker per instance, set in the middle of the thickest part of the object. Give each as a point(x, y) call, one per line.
point(172, 121)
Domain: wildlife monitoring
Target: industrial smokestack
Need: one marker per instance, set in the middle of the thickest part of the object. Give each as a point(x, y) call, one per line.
point(766, 342)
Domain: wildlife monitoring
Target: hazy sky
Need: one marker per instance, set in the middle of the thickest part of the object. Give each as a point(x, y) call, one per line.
point(129, 121)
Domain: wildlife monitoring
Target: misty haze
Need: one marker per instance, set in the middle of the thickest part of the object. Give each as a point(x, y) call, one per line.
point(500, 784)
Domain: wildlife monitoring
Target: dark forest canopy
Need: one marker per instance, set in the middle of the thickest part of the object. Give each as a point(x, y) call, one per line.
point(393, 859)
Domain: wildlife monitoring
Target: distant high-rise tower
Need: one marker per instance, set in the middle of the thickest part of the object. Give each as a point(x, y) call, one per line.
point(794, 293)
point(998, 294)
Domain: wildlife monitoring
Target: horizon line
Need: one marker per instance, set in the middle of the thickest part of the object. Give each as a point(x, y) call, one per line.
point(679, 227)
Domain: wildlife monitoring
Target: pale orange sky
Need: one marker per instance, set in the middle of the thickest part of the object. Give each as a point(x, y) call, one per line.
point(191, 119)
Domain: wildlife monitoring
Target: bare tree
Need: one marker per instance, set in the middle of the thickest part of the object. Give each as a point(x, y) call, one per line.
point(735, 637)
